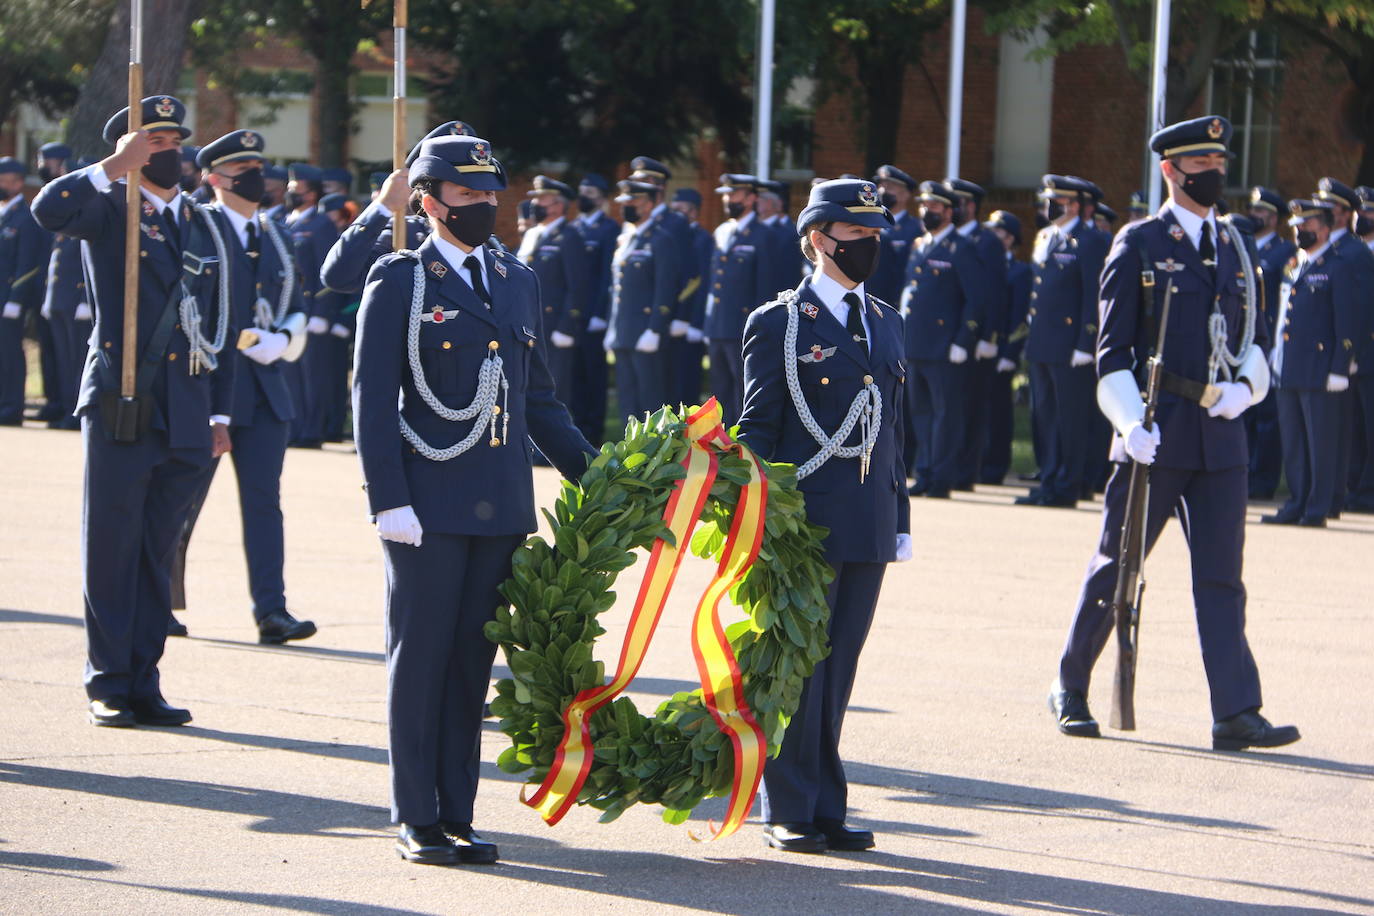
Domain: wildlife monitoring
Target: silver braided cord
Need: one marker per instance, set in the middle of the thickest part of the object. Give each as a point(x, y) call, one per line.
point(1222, 360)
point(866, 409)
point(491, 382)
point(263, 315)
point(204, 353)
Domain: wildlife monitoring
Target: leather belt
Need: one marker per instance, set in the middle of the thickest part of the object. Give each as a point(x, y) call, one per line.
point(1198, 392)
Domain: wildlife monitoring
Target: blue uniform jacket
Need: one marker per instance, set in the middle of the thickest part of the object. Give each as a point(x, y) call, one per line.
point(703, 247)
point(66, 286)
point(1323, 321)
point(864, 518)
point(788, 264)
point(561, 264)
point(644, 287)
point(1351, 249)
point(1063, 309)
point(1274, 256)
point(23, 256)
point(1015, 331)
point(894, 248)
point(1189, 439)
point(360, 245)
point(992, 298)
point(486, 490)
point(742, 276)
point(677, 226)
point(254, 278)
point(182, 403)
point(313, 234)
point(941, 297)
point(598, 240)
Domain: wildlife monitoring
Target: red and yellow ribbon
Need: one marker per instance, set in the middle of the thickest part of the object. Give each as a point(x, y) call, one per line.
point(722, 686)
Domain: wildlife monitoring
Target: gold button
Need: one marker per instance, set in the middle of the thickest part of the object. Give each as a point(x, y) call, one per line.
point(574, 312)
point(648, 311)
point(1037, 281)
point(494, 345)
point(918, 270)
point(178, 327)
point(494, 442)
point(448, 345)
point(1320, 346)
point(825, 381)
point(66, 193)
point(1285, 337)
point(143, 254)
point(717, 286)
point(496, 410)
point(530, 343)
point(549, 309)
point(868, 380)
point(1068, 320)
point(172, 357)
point(940, 322)
point(108, 344)
point(1032, 310)
point(209, 270)
point(936, 271)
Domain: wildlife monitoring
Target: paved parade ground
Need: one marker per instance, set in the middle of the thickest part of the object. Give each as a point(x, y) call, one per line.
point(275, 796)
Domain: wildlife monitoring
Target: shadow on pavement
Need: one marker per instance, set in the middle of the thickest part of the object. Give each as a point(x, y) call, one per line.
point(1315, 765)
point(10, 615)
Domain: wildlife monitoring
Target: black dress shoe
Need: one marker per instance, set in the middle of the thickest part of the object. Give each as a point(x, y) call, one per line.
point(12, 420)
point(1261, 494)
point(842, 838)
point(1033, 498)
point(963, 486)
point(279, 626)
point(1070, 710)
point(1065, 502)
point(1312, 521)
point(1280, 518)
point(472, 849)
point(156, 711)
point(795, 837)
point(1250, 729)
point(176, 627)
point(1029, 478)
point(937, 493)
point(918, 489)
point(111, 713)
point(428, 845)
point(48, 412)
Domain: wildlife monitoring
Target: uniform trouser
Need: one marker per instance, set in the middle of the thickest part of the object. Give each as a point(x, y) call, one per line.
point(294, 374)
point(1210, 506)
point(1000, 428)
point(641, 380)
point(727, 377)
point(977, 389)
point(136, 498)
point(316, 364)
point(12, 368)
point(1064, 400)
point(1266, 448)
point(806, 780)
point(1345, 437)
point(258, 454)
point(438, 598)
point(70, 341)
point(341, 363)
point(48, 361)
point(590, 383)
point(1311, 422)
point(936, 395)
point(562, 364)
point(684, 387)
point(1361, 479)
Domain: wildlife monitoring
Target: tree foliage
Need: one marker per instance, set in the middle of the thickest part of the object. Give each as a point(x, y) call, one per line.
point(46, 47)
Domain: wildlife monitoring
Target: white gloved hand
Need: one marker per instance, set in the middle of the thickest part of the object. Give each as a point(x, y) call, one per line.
point(1354, 368)
point(985, 349)
point(1334, 383)
point(1142, 445)
point(1005, 365)
point(1079, 358)
point(1235, 397)
point(957, 354)
point(83, 311)
point(269, 348)
point(596, 323)
point(400, 525)
point(339, 330)
point(648, 342)
point(13, 310)
point(317, 325)
point(903, 548)
point(560, 340)
point(695, 336)
point(678, 328)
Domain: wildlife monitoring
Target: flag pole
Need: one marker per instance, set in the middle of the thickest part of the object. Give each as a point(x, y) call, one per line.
point(763, 115)
point(956, 88)
point(133, 208)
point(400, 15)
point(1159, 85)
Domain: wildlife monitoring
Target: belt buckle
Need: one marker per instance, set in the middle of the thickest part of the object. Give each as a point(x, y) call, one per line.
point(1210, 395)
point(1147, 278)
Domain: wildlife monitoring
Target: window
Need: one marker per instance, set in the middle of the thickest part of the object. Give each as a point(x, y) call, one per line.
point(1025, 110)
point(1245, 90)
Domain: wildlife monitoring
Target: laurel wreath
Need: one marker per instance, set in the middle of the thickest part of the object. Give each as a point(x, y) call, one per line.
point(677, 757)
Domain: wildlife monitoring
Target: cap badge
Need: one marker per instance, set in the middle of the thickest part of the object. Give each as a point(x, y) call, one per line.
point(250, 140)
point(164, 107)
point(458, 131)
point(867, 196)
point(481, 154)
point(1176, 231)
point(1215, 130)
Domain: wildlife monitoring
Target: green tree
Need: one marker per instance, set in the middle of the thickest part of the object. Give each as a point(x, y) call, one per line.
point(45, 48)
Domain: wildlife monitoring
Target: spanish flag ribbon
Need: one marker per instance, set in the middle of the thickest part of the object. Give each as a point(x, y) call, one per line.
point(722, 686)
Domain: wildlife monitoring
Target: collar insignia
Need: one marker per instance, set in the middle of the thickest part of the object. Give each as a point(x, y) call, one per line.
point(438, 269)
point(809, 310)
point(148, 209)
point(499, 268)
point(1176, 232)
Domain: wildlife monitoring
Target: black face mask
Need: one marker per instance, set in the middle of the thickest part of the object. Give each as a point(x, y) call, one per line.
point(856, 258)
point(1053, 210)
point(164, 168)
point(45, 174)
point(538, 213)
point(1204, 187)
point(1306, 238)
point(188, 182)
point(734, 209)
point(471, 224)
point(585, 204)
point(293, 200)
point(889, 199)
point(932, 221)
point(249, 184)
point(1364, 224)
point(630, 212)
point(5, 194)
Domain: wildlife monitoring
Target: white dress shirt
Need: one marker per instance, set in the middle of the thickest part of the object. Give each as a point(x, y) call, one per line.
point(239, 224)
point(832, 296)
point(456, 257)
point(1192, 224)
point(96, 175)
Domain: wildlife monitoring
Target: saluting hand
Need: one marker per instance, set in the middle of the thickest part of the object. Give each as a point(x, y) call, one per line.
point(131, 153)
point(395, 193)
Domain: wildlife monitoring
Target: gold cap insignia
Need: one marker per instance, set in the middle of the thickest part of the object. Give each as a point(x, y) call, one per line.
point(868, 196)
point(164, 107)
point(250, 140)
point(1215, 130)
point(481, 154)
point(457, 130)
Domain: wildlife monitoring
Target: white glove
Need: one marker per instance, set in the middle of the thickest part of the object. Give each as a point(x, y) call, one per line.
point(648, 342)
point(596, 323)
point(695, 336)
point(46, 310)
point(1140, 445)
point(83, 311)
point(1079, 358)
point(903, 548)
point(400, 525)
point(560, 340)
point(269, 348)
point(1334, 383)
point(957, 354)
point(678, 328)
point(1354, 368)
point(985, 349)
point(1235, 397)
point(339, 330)
point(317, 325)
point(13, 310)
point(1005, 365)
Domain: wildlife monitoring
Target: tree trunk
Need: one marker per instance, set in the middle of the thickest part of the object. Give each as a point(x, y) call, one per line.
point(882, 73)
point(166, 24)
point(332, 74)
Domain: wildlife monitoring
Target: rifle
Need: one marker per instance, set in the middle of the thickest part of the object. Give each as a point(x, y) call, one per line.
point(1130, 565)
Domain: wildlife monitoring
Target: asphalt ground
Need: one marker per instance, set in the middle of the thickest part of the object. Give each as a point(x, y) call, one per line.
point(275, 797)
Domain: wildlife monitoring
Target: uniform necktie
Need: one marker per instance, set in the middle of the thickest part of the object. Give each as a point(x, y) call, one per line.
point(1208, 250)
point(475, 272)
point(854, 324)
point(169, 227)
point(253, 244)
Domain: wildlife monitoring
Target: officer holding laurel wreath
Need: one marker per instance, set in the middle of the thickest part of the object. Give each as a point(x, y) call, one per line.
point(823, 375)
point(453, 331)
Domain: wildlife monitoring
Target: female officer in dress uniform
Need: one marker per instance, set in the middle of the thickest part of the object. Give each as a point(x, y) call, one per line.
point(453, 331)
point(823, 374)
